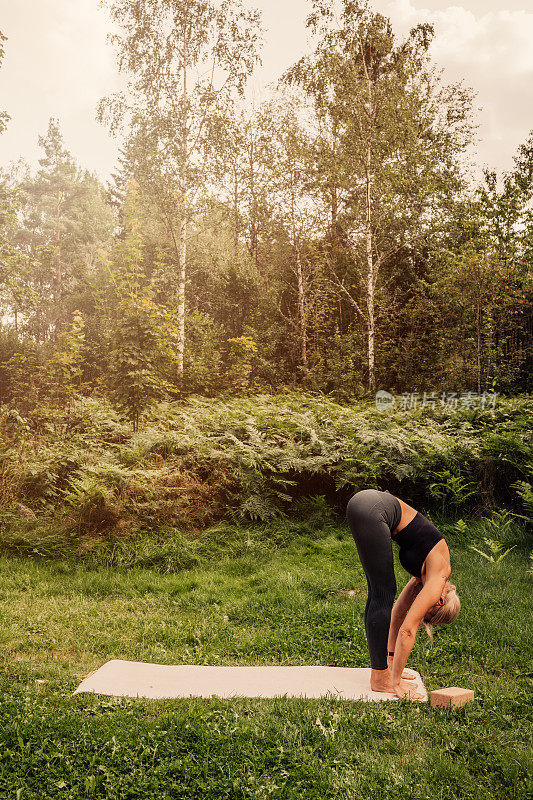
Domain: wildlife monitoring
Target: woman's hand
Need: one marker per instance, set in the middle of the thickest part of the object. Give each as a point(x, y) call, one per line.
point(402, 690)
point(407, 674)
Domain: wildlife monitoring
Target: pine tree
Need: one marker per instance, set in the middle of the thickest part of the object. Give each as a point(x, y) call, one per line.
point(66, 229)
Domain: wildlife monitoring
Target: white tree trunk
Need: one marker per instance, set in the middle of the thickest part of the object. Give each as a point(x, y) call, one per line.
point(300, 278)
point(182, 263)
point(301, 307)
point(371, 272)
point(370, 281)
point(180, 349)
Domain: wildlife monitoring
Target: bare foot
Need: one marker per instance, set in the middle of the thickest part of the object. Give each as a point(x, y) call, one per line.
point(382, 687)
point(381, 680)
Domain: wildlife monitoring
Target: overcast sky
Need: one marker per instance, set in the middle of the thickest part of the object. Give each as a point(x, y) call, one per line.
point(57, 63)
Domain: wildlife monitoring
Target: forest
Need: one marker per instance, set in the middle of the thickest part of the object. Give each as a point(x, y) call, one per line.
point(329, 239)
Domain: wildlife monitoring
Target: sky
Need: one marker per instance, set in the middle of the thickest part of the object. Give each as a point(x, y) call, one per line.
point(58, 63)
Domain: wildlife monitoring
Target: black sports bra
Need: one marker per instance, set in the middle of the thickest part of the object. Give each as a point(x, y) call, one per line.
point(415, 541)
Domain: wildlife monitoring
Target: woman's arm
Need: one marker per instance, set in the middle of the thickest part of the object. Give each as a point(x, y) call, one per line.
point(400, 609)
point(405, 640)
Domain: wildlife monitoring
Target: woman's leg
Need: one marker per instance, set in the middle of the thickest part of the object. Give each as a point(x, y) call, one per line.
point(374, 545)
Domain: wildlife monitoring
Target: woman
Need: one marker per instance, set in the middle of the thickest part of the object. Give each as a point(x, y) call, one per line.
point(376, 519)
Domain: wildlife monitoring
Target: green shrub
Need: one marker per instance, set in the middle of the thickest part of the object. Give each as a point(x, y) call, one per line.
point(93, 506)
point(35, 538)
point(264, 457)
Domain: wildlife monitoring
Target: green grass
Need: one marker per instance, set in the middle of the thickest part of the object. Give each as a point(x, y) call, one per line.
point(275, 605)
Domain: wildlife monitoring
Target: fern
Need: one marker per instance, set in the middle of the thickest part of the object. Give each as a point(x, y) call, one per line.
point(201, 459)
point(494, 554)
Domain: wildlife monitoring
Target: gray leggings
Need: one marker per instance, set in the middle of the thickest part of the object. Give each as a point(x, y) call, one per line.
point(372, 516)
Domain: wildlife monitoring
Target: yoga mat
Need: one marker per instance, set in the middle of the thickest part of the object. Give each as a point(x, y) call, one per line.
point(161, 681)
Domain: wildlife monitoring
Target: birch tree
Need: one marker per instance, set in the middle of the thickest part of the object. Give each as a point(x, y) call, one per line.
point(393, 137)
point(287, 158)
point(181, 60)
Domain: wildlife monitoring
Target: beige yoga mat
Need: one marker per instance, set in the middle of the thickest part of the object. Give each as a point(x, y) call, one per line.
point(161, 681)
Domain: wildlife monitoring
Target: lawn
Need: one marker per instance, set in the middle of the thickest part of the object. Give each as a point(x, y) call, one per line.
point(271, 605)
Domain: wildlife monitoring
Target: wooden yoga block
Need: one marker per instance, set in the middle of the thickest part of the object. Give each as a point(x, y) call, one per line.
point(451, 696)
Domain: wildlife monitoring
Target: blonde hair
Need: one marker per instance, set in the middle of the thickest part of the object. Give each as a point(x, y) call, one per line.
point(445, 613)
